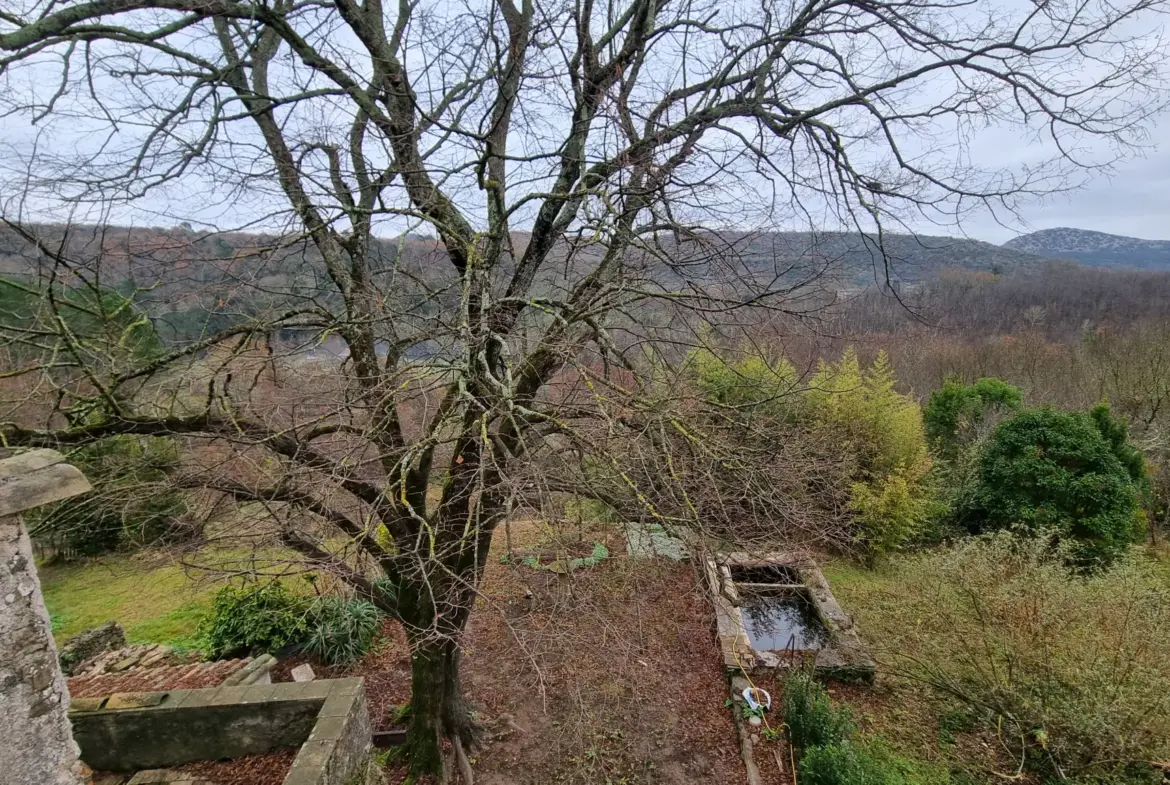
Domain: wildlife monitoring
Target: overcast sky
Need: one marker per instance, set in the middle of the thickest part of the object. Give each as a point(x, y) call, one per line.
point(1135, 201)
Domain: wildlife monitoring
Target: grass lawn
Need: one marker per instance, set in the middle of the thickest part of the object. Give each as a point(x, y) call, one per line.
point(154, 603)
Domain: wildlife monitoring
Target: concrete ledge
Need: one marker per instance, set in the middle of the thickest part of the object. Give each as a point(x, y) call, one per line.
point(37, 477)
point(327, 719)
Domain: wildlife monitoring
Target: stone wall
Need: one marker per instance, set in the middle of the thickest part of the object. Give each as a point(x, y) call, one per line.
point(327, 719)
point(35, 743)
point(86, 645)
point(845, 658)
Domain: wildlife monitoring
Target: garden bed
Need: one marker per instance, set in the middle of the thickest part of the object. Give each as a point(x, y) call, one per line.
point(608, 673)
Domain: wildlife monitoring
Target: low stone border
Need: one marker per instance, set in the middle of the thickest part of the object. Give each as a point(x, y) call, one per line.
point(327, 719)
point(258, 671)
point(845, 658)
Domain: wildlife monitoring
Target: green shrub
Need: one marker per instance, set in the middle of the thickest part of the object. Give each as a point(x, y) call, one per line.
point(1067, 668)
point(810, 716)
point(858, 409)
point(863, 412)
point(341, 631)
point(856, 763)
point(830, 755)
point(752, 384)
point(1051, 471)
point(890, 512)
point(955, 410)
point(262, 617)
point(266, 617)
point(132, 502)
point(1116, 435)
point(843, 763)
point(868, 436)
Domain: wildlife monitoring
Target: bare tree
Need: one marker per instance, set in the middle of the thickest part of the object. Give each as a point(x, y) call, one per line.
point(566, 156)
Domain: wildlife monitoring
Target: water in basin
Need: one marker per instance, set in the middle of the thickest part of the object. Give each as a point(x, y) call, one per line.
point(778, 620)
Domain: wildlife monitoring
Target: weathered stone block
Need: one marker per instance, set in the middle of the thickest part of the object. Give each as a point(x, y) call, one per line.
point(35, 743)
point(258, 693)
point(134, 700)
point(168, 735)
point(86, 704)
point(329, 728)
point(338, 706)
point(88, 644)
point(315, 689)
point(328, 719)
point(311, 766)
point(227, 695)
point(303, 672)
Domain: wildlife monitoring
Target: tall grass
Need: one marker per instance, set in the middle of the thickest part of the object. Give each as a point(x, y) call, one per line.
point(1071, 670)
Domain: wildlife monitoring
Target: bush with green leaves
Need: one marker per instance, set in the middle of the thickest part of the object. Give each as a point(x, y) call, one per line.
point(844, 763)
point(1116, 435)
point(132, 501)
point(954, 412)
point(861, 410)
point(831, 753)
point(266, 617)
point(867, 434)
point(855, 762)
point(892, 512)
point(341, 630)
point(811, 718)
point(1071, 474)
point(752, 384)
point(262, 617)
point(857, 408)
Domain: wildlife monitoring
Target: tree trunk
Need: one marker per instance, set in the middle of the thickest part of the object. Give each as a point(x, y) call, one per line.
point(434, 604)
point(437, 708)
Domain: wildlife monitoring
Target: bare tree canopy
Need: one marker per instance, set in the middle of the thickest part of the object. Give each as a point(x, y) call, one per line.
point(571, 158)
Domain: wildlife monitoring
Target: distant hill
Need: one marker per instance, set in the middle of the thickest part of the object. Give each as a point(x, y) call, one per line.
point(193, 281)
point(1095, 248)
point(202, 265)
point(910, 257)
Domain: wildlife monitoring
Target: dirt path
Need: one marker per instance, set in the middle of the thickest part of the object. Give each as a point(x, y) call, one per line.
point(610, 675)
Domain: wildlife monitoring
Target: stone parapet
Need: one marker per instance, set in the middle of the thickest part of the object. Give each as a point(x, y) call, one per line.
point(327, 719)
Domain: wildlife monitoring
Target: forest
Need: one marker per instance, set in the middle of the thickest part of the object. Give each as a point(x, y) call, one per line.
point(462, 347)
point(984, 453)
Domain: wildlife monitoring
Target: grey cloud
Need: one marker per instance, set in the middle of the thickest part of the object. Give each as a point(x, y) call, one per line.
point(1134, 201)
